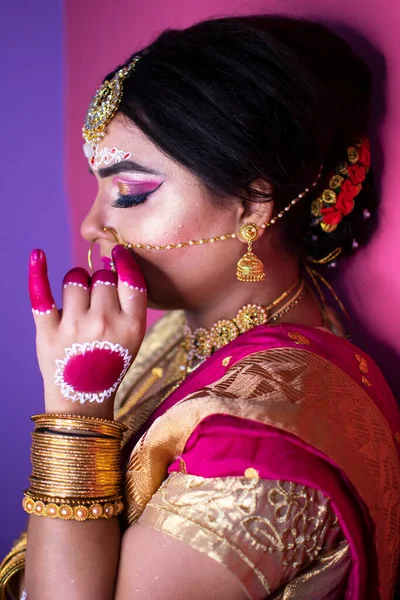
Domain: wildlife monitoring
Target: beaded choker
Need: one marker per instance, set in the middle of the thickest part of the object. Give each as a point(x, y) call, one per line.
point(201, 343)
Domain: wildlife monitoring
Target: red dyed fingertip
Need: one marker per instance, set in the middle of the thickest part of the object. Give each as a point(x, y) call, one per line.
point(127, 269)
point(36, 255)
point(39, 287)
point(77, 277)
point(104, 277)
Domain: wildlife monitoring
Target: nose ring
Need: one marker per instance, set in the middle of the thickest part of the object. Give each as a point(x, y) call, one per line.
point(92, 243)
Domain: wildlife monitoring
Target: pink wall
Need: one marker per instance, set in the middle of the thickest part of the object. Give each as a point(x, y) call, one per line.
point(100, 36)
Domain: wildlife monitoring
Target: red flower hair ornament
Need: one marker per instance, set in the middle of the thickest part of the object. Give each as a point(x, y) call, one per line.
point(337, 201)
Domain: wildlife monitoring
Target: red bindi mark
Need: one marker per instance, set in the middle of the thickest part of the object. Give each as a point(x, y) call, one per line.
point(91, 372)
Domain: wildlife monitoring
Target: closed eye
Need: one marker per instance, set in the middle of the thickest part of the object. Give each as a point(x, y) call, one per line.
point(127, 201)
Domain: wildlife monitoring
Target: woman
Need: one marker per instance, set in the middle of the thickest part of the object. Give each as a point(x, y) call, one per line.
point(258, 444)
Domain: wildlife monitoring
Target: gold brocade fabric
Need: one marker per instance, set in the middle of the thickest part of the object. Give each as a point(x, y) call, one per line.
point(299, 392)
point(160, 340)
point(265, 532)
point(326, 578)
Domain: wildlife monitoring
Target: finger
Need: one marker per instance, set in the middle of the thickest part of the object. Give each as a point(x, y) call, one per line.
point(76, 285)
point(131, 284)
point(42, 301)
point(103, 291)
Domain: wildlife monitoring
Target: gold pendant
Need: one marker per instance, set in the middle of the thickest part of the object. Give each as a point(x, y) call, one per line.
point(249, 267)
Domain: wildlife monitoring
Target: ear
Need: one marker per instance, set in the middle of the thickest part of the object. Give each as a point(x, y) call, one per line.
point(259, 207)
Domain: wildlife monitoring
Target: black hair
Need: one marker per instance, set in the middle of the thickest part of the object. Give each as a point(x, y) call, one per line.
point(266, 96)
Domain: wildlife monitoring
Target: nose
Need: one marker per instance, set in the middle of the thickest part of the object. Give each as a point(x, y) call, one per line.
point(93, 228)
point(93, 224)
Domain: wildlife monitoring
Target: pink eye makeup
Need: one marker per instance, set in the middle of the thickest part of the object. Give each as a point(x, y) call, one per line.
point(133, 192)
point(131, 188)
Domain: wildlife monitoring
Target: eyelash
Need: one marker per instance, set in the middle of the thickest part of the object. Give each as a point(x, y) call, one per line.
point(127, 201)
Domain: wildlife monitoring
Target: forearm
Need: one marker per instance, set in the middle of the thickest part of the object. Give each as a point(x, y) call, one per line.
point(70, 559)
point(75, 486)
point(73, 501)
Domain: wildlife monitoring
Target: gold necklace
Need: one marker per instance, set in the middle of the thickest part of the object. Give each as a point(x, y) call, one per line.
point(248, 317)
point(201, 343)
point(187, 368)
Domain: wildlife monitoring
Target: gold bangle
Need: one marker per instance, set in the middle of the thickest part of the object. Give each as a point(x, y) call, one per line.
point(12, 564)
point(54, 479)
point(86, 468)
point(99, 479)
point(78, 422)
point(67, 512)
point(44, 472)
point(74, 491)
point(70, 500)
point(44, 464)
point(84, 463)
point(100, 459)
point(105, 461)
point(67, 440)
point(46, 440)
point(101, 454)
point(74, 466)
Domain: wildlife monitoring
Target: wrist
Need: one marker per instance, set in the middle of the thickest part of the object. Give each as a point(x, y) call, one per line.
point(57, 404)
point(75, 467)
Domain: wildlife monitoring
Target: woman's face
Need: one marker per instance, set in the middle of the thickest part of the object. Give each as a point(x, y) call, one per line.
point(165, 206)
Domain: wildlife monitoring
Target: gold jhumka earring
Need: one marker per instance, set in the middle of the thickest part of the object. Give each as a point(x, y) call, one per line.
point(250, 267)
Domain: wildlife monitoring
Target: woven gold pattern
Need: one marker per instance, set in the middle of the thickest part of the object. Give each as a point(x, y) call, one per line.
point(326, 578)
point(287, 388)
point(265, 532)
point(160, 340)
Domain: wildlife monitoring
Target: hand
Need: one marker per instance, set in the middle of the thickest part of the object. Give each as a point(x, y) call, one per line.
point(85, 349)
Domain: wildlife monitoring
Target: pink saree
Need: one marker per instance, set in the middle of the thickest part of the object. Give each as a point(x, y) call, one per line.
point(290, 403)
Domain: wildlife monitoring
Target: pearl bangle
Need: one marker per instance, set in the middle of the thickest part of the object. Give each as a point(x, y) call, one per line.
point(67, 510)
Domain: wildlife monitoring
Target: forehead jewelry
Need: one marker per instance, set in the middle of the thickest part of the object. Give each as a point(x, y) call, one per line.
point(249, 268)
point(104, 156)
point(105, 104)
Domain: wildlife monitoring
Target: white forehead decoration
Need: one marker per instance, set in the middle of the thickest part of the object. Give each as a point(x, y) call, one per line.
point(104, 156)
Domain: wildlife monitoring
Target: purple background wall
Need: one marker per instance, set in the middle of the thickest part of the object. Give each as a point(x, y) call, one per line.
point(33, 214)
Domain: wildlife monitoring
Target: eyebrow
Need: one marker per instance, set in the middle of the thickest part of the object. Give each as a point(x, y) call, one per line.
point(123, 167)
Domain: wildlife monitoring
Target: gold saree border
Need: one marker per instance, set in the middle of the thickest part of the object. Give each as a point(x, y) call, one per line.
point(286, 388)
